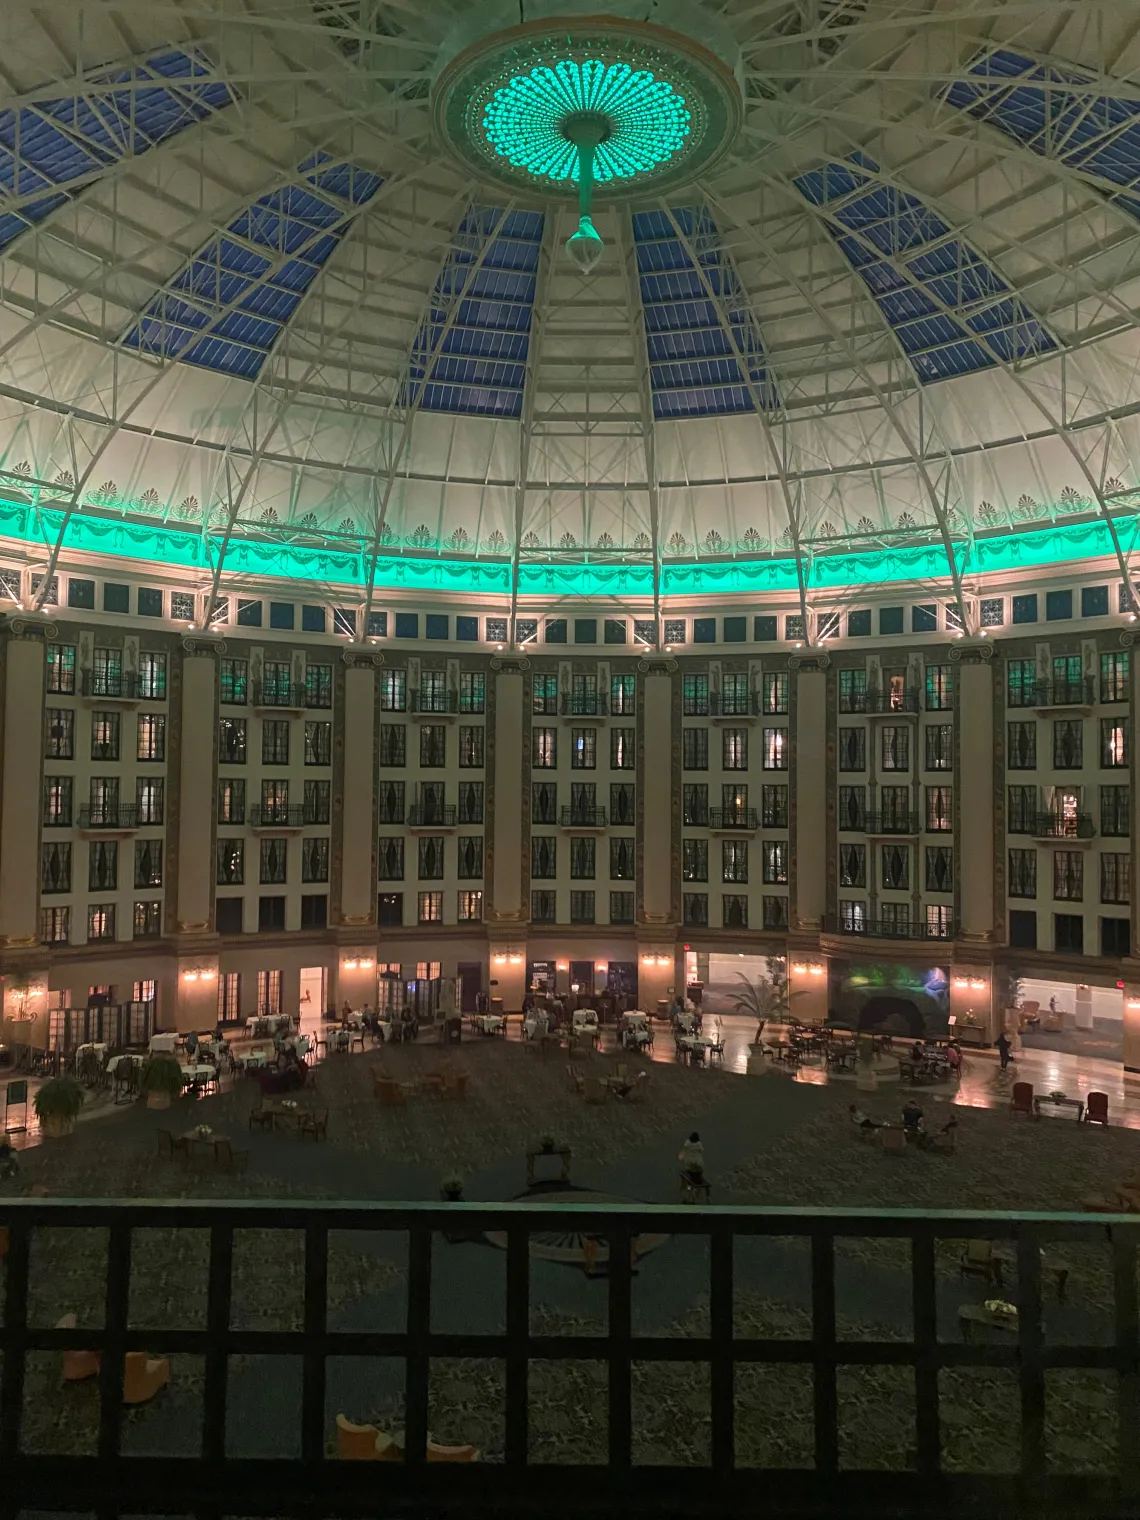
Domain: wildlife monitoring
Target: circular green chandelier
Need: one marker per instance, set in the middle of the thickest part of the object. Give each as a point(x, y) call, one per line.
point(568, 104)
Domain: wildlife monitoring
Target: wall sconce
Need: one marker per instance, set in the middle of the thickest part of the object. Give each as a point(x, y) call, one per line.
point(1134, 1002)
point(601, 965)
point(799, 967)
point(664, 960)
point(350, 963)
point(562, 965)
point(500, 958)
point(189, 976)
point(515, 958)
point(199, 974)
point(961, 981)
point(978, 983)
point(816, 970)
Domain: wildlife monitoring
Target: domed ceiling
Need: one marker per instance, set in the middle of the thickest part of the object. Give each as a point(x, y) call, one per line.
point(258, 315)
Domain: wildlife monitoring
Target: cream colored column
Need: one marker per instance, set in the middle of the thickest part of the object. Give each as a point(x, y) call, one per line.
point(22, 805)
point(809, 779)
point(659, 801)
point(508, 834)
point(197, 789)
point(975, 799)
point(358, 820)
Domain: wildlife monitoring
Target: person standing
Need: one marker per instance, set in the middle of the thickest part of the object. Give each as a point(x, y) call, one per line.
point(1002, 1043)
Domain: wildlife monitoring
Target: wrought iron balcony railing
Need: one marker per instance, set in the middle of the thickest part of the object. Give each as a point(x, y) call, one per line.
point(585, 704)
point(734, 818)
point(745, 704)
point(279, 816)
point(891, 823)
point(1056, 826)
point(424, 815)
point(877, 701)
point(883, 928)
point(583, 817)
point(441, 702)
point(110, 815)
point(122, 684)
point(1078, 693)
point(284, 694)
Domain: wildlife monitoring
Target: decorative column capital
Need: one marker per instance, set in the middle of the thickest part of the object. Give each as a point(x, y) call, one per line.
point(203, 643)
point(510, 664)
point(810, 660)
point(25, 625)
point(969, 652)
point(362, 659)
point(657, 667)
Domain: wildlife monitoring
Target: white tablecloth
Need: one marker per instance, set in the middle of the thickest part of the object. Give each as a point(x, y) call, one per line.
point(489, 1023)
point(535, 1025)
point(270, 1021)
point(163, 1044)
point(82, 1050)
point(253, 1058)
point(116, 1062)
point(199, 1074)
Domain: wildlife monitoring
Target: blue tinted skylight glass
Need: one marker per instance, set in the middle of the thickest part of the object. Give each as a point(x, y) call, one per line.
point(226, 308)
point(1095, 134)
point(470, 353)
point(951, 311)
point(51, 149)
point(695, 366)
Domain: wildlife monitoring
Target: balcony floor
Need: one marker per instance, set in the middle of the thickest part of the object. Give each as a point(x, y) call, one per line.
point(777, 1139)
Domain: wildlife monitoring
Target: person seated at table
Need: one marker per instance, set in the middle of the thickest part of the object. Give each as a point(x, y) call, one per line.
point(346, 1011)
point(954, 1059)
point(410, 1024)
point(912, 1118)
point(860, 1119)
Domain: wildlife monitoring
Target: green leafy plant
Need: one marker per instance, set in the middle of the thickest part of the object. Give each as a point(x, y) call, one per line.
point(451, 1188)
point(766, 1002)
point(162, 1074)
point(547, 1142)
point(60, 1099)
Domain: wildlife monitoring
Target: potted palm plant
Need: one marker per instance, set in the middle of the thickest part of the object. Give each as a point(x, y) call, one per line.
point(451, 1189)
point(767, 1003)
point(57, 1103)
point(161, 1081)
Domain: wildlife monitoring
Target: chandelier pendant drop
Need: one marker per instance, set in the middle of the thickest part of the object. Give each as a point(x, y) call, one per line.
point(587, 130)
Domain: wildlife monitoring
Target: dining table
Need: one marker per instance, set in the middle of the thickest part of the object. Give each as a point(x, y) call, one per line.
point(489, 1023)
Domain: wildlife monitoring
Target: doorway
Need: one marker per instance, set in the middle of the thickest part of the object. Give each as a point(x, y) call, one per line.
point(470, 974)
point(312, 995)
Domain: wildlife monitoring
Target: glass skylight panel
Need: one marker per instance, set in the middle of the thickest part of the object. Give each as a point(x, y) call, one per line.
point(470, 354)
point(695, 366)
point(52, 147)
point(226, 309)
point(952, 312)
point(1093, 134)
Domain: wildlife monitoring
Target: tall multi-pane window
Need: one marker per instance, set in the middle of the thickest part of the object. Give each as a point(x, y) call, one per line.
point(734, 749)
point(734, 860)
point(393, 744)
point(101, 921)
point(939, 809)
point(1021, 809)
point(55, 926)
point(939, 742)
point(621, 907)
point(469, 906)
point(774, 806)
point(544, 802)
point(583, 749)
point(584, 695)
point(1113, 743)
point(471, 746)
point(695, 908)
point(274, 861)
point(695, 860)
point(148, 862)
point(939, 688)
point(544, 748)
point(542, 907)
point(233, 681)
point(105, 728)
point(584, 802)
point(103, 866)
point(853, 917)
point(1021, 746)
point(695, 749)
point(622, 858)
point(695, 696)
point(232, 741)
point(544, 694)
point(852, 865)
point(55, 866)
point(939, 920)
point(1022, 873)
point(775, 862)
point(623, 749)
point(274, 802)
point(269, 994)
point(1114, 677)
point(472, 691)
point(853, 808)
point(390, 801)
point(581, 907)
point(430, 859)
point(1021, 683)
point(103, 799)
point(433, 746)
point(695, 804)
point(734, 802)
point(470, 857)
point(1068, 875)
point(894, 865)
point(734, 910)
point(776, 749)
point(896, 810)
point(61, 669)
point(774, 692)
point(151, 736)
point(1068, 744)
point(583, 858)
point(852, 691)
point(543, 857)
point(735, 696)
point(316, 801)
point(939, 868)
point(277, 683)
point(393, 691)
point(623, 696)
point(147, 919)
point(1115, 878)
point(230, 862)
point(391, 858)
point(275, 741)
point(152, 676)
point(1114, 807)
point(896, 748)
point(1068, 678)
point(318, 687)
point(318, 742)
point(470, 802)
point(852, 749)
point(623, 808)
point(59, 733)
point(775, 912)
